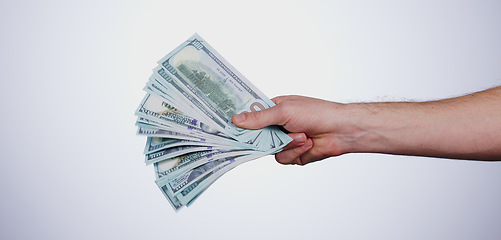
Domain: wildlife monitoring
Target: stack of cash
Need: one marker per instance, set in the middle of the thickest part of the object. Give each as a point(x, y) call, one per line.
point(186, 116)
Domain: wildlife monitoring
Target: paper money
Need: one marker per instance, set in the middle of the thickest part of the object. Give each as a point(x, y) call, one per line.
point(186, 115)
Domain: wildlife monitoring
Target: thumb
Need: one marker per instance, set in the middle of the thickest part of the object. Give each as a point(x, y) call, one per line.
point(259, 119)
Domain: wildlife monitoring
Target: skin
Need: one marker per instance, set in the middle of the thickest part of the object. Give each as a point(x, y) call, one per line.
point(466, 127)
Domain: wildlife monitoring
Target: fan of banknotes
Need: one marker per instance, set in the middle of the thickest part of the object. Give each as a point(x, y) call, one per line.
point(186, 116)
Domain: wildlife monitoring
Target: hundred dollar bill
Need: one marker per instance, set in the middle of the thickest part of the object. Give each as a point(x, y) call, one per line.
point(191, 191)
point(152, 123)
point(154, 144)
point(178, 183)
point(173, 152)
point(188, 163)
point(153, 87)
point(164, 76)
point(214, 85)
point(153, 107)
point(253, 137)
point(148, 130)
point(185, 140)
point(186, 116)
point(173, 200)
point(166, 167)
point(166, 91)
point(165, 116)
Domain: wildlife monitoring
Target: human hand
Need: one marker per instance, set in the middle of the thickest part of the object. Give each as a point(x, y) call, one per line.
point(465, 127)
point(316, 126)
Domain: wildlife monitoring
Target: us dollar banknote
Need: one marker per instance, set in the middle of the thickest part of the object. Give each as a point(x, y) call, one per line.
point(186, 116)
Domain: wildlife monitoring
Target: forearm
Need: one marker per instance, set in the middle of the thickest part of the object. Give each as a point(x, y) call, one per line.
point(467, 127)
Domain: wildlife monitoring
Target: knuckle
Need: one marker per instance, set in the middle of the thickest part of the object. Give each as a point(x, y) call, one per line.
point(256, 115)
point(298, 151)
point(279, 159)
point(283, 158)
point(285, 110)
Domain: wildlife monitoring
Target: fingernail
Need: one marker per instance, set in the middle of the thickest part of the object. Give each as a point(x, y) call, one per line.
point(299, 138)
point(308, 144)
point(239, 118)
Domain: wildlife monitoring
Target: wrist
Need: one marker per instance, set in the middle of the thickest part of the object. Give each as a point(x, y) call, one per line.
point(381, 127)
point(354, 128)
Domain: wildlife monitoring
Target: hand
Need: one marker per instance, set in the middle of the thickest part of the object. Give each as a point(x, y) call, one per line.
point(315, 126)
point(466, 127)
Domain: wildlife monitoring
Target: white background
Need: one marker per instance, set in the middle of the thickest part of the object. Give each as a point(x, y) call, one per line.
point(72, 74)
